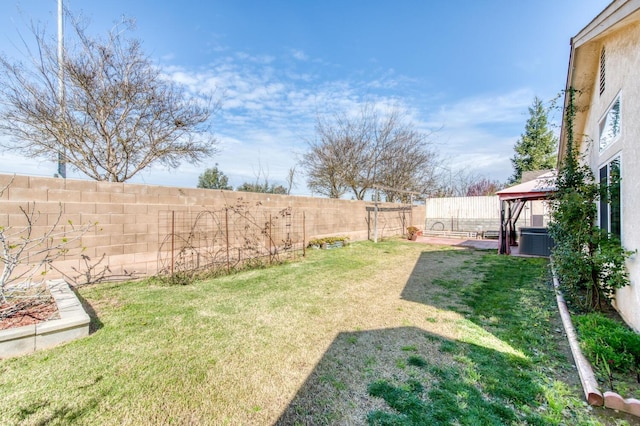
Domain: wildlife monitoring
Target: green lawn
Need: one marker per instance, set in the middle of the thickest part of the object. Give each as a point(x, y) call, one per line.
point(387, 333)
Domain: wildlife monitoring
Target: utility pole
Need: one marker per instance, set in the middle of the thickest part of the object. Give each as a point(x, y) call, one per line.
point(62, 166)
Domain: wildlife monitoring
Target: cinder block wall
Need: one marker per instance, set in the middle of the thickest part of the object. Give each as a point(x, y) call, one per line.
point(127, 216)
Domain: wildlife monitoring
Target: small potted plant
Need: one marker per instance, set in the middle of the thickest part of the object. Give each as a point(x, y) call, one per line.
point(413, 233)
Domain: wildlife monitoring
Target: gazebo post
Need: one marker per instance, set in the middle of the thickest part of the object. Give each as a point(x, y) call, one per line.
point(503, 245)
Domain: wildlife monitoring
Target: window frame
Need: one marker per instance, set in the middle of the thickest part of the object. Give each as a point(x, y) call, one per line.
point(610, 210)
point(608, 120)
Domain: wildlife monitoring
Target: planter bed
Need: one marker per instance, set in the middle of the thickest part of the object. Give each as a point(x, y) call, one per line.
point(72, 324)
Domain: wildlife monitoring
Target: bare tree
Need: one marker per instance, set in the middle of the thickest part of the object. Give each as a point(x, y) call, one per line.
point(120, 113)
point(323, 165)
point(464, 183)
point(484, 187)
point(372, 148)
point(291, 174)
point(407, 161)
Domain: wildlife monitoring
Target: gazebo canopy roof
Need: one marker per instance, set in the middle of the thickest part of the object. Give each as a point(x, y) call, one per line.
point(536, 189)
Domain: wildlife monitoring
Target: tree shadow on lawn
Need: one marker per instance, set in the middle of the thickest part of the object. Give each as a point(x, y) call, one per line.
point(438, 274)
point(52, 413)
point(409, 376)
point(508, 297)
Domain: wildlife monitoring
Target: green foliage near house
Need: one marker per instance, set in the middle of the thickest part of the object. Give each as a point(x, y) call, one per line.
point(536, 148)
point(612, 347)
point(589, 261)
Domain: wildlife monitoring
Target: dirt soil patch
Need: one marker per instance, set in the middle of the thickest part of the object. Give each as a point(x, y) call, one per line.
point(28, 312)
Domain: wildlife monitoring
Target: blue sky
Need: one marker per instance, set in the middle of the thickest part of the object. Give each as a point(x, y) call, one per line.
point(465, 69)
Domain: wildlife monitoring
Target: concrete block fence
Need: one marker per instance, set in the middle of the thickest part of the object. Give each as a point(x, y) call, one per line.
point(128, 233)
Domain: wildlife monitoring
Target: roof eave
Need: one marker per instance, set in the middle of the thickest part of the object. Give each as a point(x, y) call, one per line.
point(608, 20)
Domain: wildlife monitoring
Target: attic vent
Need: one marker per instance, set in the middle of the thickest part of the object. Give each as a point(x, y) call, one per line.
point(602, 70)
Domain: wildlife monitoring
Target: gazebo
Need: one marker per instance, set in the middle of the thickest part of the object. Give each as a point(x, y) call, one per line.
point(512, 201)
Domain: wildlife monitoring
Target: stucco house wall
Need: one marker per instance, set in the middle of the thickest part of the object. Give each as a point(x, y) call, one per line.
point(616, 31)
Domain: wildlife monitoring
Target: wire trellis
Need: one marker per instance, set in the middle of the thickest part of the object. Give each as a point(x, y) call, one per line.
point(226, 239)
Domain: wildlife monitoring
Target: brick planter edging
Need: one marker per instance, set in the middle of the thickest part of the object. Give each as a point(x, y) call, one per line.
point(592, 393)
point(72, 324)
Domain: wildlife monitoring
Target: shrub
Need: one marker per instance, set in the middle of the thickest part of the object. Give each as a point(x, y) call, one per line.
point(611, 345)
point(319, 242)
point(589, 261)
point(412, 230)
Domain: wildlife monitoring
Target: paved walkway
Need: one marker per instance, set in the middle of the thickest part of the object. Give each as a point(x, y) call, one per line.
point(473, 243)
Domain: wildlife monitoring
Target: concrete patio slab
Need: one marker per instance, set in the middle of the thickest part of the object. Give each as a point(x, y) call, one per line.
point(471, 243)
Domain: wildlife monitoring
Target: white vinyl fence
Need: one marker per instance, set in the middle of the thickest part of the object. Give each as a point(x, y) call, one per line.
point(472, 214)
point(477, 214)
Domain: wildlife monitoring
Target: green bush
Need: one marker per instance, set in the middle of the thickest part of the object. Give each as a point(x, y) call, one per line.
point(609, 344)
point(327, 240)
point(590, 263)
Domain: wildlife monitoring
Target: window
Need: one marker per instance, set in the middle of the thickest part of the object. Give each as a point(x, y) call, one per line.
point(602, 70)
point(610, 213)
point(610, 125)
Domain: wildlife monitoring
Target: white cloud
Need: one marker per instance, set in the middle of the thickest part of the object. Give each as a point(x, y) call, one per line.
point(269, 110)
point(479, 132)
point(258, 59)
point(299, 55)
point(495, 109)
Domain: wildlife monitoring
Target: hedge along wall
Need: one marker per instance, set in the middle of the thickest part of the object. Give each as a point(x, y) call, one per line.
point(129, 216)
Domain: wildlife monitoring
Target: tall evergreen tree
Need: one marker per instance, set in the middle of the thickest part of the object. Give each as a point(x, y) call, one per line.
point(536, 148)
